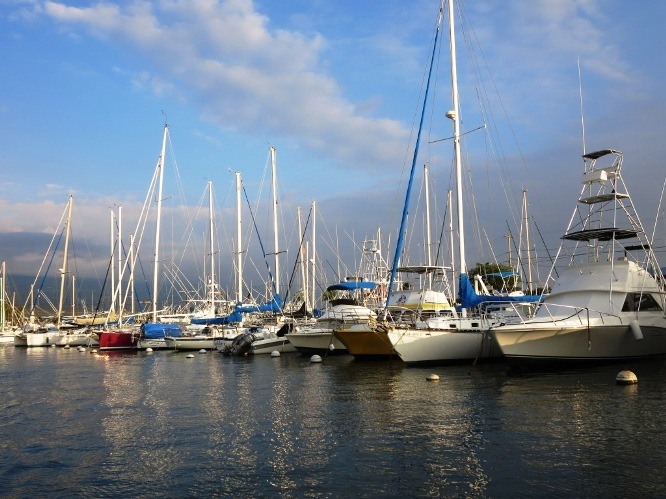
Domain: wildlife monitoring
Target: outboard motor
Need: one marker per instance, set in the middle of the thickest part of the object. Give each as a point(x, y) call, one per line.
point(241, 344)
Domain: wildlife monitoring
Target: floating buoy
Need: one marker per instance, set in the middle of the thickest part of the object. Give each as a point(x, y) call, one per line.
point(626, 378)
point(149, 350)
point(203, 350)
point(52, 345)
point(315, 358)
point(189, 356)
point(67, 346)
point(82, 349)
point(94, 350)
point(432, 377)
point(275, 353)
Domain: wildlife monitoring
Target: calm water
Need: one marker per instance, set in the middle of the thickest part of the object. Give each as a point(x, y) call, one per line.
point(74, 424)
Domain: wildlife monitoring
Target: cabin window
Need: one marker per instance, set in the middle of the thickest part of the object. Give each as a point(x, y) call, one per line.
point(640, 302)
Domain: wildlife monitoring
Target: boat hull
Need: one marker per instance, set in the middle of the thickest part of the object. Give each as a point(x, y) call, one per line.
point(317, 343)
point(154, 343)
point(75, 340)
point(270, 345)
point(443, 346)
point(191, 343)
point(117, 340)
point(36, 339)
point(549, 344)
point(366, 342)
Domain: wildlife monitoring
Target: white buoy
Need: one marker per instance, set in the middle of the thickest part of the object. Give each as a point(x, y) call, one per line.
point(331, 346)
point(52, 345)
point(203, 350)
point(149, 350)
point(82, 349)
point(315, 358)
point(189, 356)
point(636, 329)
point(432, 377)
point(67, 346)
point(626, 378)
point(275, 353)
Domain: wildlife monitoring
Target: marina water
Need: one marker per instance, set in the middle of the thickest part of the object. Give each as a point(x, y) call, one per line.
point(74, 424)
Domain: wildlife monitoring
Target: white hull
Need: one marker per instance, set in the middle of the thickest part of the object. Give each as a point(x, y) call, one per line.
point(553, 342)
point(446, 346)
point(75, 339)
point(154, 343)
point(316, 342)
point(7, 337)
point(25, 339)
point(191, 343)
point(269, 345)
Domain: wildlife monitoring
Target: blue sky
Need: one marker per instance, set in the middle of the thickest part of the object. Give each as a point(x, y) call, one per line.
point(334, 85)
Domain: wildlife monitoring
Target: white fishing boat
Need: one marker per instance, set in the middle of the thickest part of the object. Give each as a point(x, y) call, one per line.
point(608, 303)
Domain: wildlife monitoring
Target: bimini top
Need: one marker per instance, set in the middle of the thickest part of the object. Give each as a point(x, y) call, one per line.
point(352, 285)
point(603, 234)
point(422, 269)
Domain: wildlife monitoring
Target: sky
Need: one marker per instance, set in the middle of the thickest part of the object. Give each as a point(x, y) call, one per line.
point(336, 87)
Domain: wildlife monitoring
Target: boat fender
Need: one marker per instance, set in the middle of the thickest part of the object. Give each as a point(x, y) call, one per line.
point(636, 330)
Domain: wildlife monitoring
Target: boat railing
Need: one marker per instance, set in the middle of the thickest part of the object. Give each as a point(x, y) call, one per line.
point(552, 313)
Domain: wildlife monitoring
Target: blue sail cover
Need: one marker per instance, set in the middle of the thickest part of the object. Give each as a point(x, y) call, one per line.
point(469, 298)
point(157, 330)
point(351, 286)
point(275, 306)
point(220, 320)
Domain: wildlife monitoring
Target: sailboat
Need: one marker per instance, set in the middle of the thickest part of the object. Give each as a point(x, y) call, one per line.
point(608, 303)
point(34, 334)
point(447, 335)
point(126, 336)
point(6, 332)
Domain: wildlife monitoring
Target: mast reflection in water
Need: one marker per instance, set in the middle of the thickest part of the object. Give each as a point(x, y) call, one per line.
point(138, 424)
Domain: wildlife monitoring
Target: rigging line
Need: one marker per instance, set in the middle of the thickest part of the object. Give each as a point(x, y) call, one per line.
point(106, 277)
point(300, 248)
point(461, 135)
point(550, 257)
point(405, 210)
point(261, 244)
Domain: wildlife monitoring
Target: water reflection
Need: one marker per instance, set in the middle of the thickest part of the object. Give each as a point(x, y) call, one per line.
point(76, 424)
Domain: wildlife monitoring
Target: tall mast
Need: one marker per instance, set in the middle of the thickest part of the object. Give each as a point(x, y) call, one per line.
point(131, 278)
point(2, 298)
point(275, 222)
point(408, 194)
point(212, 242)
point(63, 270)
point(314, 253)
point(527, 243)
point(120, 272)
point(304, 279)
point(455, 117)
point(239, 246)
point(113, 263)
point(160, 166)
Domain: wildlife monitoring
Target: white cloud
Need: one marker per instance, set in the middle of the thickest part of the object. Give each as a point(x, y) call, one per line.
point(243, 74)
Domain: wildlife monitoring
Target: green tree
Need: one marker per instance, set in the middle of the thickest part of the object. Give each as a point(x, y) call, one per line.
point(491, 274)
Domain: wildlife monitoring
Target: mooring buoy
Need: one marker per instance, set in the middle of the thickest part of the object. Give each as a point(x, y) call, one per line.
point(626, 378)
point(432, 377)
point(315, 358)
point(275, 353)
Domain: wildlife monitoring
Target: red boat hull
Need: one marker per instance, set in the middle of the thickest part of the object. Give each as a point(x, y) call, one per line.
point(116, 340)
